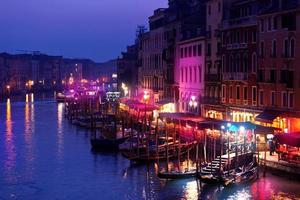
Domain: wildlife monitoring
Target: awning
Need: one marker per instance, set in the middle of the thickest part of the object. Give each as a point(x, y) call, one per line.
point(234, 126)
point(268, 116)
point(291, 139)
point(164, 102)
point(264, 130)
point(181, 117)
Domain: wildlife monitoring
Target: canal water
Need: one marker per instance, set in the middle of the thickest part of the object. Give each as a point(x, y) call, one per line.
point(43, 156)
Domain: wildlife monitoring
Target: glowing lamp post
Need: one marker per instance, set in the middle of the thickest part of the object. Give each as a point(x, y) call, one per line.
point(193, 103)
point(8, 89)
point(146, 97)
point(125, 89)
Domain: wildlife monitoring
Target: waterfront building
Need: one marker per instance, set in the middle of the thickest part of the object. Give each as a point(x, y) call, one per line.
point(184, 20)
point(189, 73)
point(71, 69)
point(239, 60)
point(40, 72)
point(213, 62)
point(278, 65)
point(3, 76)
point(151, 51)
point(17, 69)
point(128, 71)
point(168, 26)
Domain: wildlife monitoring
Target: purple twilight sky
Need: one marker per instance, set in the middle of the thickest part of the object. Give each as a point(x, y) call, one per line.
point(96, 29)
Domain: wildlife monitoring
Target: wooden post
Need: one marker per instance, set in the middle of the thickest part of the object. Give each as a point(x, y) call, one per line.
point(228, 152)
point(179, 154)
point(123, 127)
point(257, 157)
point(197, 156)
point(156, 140)
point(214, 139)
point(138, 143)
point(265, 159)
point(188, 157)
point(167, 149)
point(221, 150)
point(204, 147)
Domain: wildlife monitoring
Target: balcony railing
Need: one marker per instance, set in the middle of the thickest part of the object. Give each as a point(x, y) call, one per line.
point(213, 77)
point(239, 76)
point(230, 23)
point(210, 100)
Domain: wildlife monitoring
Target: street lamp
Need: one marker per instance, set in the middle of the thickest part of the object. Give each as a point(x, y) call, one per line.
point(125, 89)
point(8, 89)
point(146, 97)
point(193, 103)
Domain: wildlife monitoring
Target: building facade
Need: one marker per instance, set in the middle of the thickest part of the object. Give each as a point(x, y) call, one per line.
point(168, 26)
point(151, 51)
point(128, 71)
point(278, 61)
point(239, 60)
point(189, 73)
point(213, 60)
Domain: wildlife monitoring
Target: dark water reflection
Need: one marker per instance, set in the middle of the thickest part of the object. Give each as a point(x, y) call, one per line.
point(42, 156)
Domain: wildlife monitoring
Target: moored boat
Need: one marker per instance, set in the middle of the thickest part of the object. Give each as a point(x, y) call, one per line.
point(107, 143)
point(177, 174)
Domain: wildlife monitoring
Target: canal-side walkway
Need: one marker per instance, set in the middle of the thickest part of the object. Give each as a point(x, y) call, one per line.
point(272, 162)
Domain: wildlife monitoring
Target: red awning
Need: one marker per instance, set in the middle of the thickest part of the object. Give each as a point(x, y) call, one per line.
point(144, 107)
point(182, 117)
point(291, 139)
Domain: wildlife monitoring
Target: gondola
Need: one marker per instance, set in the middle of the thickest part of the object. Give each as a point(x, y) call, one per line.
point(177, 174)
point(107, 143)
point(243, 176)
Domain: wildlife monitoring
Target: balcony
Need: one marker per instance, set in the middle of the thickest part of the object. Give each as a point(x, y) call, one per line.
point(234, 23)
point(213, 77)
point(237, 76)
point(236, 46)
point(210, 100)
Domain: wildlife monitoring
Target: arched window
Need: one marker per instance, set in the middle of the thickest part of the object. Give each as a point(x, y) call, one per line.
point(217, 92)
point(191, 75)
point(292, 48)
point(254, 63)
point(200, 73)
point(181, 73)
point(237, 63)
point(245, 63)
point(195, 74)
point(274, 48)
point(231, 63)
point(224, 64)
point(186, 74)
point(211, 92)
point(286, 49)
